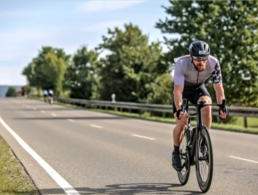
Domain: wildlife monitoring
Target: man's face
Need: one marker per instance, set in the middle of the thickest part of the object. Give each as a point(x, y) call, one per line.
point(199, 65)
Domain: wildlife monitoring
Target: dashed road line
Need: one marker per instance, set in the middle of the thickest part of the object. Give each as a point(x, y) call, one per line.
point(144, 137)
point(247, 160)
point(53, 114)
point(96, 126)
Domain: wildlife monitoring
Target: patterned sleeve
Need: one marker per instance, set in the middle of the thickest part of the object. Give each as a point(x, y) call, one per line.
point(216, 74)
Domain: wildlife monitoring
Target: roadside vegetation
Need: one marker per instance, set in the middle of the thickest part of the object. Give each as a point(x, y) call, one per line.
point(13, 178)
point(146, 116)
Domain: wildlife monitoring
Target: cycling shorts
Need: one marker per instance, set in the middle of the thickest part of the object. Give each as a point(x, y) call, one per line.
point(193, 95)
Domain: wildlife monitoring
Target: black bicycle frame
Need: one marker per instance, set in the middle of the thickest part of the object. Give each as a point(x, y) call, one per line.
point(194, 138)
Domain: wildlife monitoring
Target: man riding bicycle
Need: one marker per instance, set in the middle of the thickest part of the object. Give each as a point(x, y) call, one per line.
point(191, 72)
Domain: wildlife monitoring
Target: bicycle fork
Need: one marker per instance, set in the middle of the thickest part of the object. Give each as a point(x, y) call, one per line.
point(192, 146)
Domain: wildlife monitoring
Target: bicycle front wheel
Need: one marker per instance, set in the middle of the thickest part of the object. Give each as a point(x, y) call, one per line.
point(204, 159)
point(183, 175)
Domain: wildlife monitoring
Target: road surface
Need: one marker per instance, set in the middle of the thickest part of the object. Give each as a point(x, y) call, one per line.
point(70, 151)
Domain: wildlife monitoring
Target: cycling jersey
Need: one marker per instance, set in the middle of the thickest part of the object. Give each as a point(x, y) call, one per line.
point(186, 75)
point(50, 92)
point(45, 92)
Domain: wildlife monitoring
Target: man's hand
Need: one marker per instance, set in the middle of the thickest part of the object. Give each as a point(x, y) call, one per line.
point(179, 115)
point(223, 115)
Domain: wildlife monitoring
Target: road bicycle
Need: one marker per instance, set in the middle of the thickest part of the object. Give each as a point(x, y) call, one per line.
point(196, 148)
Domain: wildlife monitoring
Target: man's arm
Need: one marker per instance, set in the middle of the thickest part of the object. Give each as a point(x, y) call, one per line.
point(179, 80)
point(218, 87)
point(217, 83)
point(178, 90)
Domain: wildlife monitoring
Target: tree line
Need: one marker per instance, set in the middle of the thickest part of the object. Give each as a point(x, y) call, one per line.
point(137, 70)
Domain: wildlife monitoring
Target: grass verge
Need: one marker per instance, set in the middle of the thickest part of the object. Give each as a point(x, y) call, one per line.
point(225, 127)
point(13, 178)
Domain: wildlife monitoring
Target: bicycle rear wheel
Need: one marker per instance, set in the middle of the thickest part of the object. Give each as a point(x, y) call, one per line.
point(183, 175)
point(204, 159)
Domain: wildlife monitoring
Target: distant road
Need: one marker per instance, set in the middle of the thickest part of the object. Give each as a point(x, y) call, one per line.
point(96, 153)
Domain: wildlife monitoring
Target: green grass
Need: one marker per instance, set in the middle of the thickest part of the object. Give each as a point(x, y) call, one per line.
point(251, 122)
point(145, 116)
point(13, 178)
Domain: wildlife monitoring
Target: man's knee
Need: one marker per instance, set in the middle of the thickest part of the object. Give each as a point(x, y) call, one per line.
point(207, 109)
point(181, 123)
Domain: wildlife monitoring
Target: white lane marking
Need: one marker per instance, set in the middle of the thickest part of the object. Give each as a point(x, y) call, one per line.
point(53, 114)
point(42, 111)
point(96, 126)
point(144, 137)
point(244, 159)
point(58, 179)
point(71, 120)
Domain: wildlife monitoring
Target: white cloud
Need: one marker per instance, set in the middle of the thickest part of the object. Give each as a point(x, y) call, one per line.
point(23, 35)
point(12, 76)
point(96, 6)
point(106, 25)
point(21, 42)
point(19, 13)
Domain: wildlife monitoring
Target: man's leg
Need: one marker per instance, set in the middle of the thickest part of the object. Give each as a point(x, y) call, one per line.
point(179, 129)
point(177, 136)
point(206, 111)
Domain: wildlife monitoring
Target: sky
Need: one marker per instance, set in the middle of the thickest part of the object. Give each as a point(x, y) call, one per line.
point(26, 26)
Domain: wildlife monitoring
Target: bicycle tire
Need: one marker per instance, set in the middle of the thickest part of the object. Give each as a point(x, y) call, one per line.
point(206, 157)
point(184, 174)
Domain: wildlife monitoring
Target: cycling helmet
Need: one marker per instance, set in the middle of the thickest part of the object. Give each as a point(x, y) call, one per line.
point(199, 48)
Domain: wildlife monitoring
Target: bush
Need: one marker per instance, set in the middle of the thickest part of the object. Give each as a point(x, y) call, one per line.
point(11, 92)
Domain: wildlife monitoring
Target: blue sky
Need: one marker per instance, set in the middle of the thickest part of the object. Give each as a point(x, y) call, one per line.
point(26, 26)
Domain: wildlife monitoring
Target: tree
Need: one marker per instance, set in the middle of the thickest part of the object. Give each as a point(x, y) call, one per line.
point(131, 67)
point(39, 73)
point(54, 69)
point(162, 90)
point(230, 27)
point(26, 89)
point(29, 72)
point(81, 74)
point(11, 92)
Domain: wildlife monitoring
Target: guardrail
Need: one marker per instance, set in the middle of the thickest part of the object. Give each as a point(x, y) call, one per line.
point(234, 111)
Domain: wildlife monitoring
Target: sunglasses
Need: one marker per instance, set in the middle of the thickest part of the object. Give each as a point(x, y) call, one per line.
point(198, 58)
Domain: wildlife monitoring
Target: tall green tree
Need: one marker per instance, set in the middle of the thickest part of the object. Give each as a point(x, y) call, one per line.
point(81, 73)
point(42, 80)
point(54, 69)
point(40, 61)
point(132, 65)
point(39, 73)
point(29, 72)
point(230, 27)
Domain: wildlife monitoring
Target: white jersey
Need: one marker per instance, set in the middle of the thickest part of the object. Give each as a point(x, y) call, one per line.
point(51, 92)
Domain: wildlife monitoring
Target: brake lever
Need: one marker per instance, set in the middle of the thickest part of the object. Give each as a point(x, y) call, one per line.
point(184, 105)
point(223, 105)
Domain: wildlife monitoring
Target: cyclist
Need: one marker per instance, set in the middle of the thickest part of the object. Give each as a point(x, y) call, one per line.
point(191, 72)
point(51, 95)
point(45, 95)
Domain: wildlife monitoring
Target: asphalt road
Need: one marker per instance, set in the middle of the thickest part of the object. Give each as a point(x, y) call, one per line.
point(98, 153)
